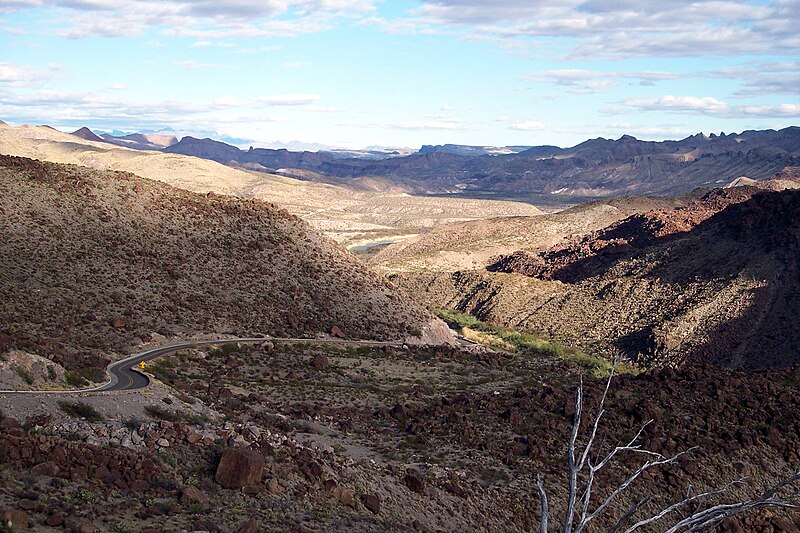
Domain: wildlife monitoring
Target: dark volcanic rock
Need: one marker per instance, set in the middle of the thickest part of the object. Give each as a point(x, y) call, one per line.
point(372, 502)
point(239, 467)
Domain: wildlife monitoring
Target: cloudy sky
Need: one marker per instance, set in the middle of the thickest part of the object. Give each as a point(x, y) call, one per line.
point(355, 73)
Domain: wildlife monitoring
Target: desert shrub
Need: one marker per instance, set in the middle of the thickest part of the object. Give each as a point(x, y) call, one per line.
point(163, 371)
point(132, 423)
point(161, 413)
point(74, 379)
point(80, 410)
point(26, 375)
point(223, 349)
point(85, 496)
point(455, 319)
point(486, 338)
point(93, 374)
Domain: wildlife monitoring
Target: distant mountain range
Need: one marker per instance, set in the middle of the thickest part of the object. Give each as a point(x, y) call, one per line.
point(595, 168)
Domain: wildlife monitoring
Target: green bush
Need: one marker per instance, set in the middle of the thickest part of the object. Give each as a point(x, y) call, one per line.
point(93, 374)
point(223, 349)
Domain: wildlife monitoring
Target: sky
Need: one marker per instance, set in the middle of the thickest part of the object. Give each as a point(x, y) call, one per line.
point(359, 73)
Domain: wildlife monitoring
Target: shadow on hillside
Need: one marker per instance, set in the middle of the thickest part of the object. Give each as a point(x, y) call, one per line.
point(722, 246)
point(755, 244)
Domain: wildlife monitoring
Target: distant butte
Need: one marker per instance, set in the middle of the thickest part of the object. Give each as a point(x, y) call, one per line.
point(88, 135)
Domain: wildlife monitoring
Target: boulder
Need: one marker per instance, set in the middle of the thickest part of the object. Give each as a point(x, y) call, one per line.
point(9, 423)
point(239, 467)
point(371, 502)
point(79, 525)
point(18, 519)
point(47, 468)
point(193, 495)
point(320, 362)
point(414, 481)
point(251, 526)
point(344, 495)
point(55, 519)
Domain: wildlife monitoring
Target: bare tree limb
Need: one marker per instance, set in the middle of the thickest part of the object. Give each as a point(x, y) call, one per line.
point(712, 516)
point(685, 501)
point(598, 416)
point(543, 524)
point(698, 521)
point(629, 513)
point(572, 471)
point(633, 477)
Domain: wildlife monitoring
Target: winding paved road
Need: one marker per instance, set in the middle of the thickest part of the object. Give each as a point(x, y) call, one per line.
point(123, 374)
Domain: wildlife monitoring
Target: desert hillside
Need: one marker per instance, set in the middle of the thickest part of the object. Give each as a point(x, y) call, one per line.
point(473, 245)
point(714, 281)
point(92, 261)
point(346, 214)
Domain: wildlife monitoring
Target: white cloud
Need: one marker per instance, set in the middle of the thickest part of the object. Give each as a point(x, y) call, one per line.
point(193, 65)
point(104, 111)
point(288, 99)
point(711, 106)
point(624, 28)
point(763, 78)
point(202, 19)
point(580, 81)
point(528, 125)
point(412, 125)
point(227, 101)
point(23, 75)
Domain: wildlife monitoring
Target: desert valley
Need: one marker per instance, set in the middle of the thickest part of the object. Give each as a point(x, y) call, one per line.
point(349, 404)
point(430, 266)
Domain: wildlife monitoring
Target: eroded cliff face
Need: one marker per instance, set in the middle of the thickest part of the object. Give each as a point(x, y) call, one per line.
point(725, 290)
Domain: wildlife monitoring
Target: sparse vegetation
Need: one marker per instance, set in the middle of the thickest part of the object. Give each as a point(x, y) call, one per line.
point(73, 379)
point(526, 344)
point(80, 410)
point(26, 375)
point(162, 413)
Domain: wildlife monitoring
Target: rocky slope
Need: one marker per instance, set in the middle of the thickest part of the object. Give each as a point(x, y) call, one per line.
point(381, 439)
point(595, 168)
point(97, 261)
point(715, 281)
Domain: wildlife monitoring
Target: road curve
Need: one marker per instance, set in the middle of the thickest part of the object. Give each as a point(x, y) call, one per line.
point(123, 374)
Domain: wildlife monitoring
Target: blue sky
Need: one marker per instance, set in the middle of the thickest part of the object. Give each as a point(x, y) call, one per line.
point(356, 73)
